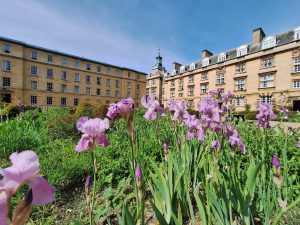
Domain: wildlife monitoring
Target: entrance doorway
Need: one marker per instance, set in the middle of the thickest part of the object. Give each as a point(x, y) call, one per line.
point(296, 105)
point(6, 98)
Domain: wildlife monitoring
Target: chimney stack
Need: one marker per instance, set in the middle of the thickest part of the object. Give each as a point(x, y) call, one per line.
point(257, 36)
point(176, 66)
point(206, 53)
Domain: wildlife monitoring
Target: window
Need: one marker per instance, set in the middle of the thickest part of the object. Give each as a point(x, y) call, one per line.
point(172, 83)
point(118, 72)
point(107, 70)
point(76, 89)
point(297, 65)
point(107, 93)
point(222, 57)
point(174, 71)
point(33, 70)
point(297, 33)
point(88, 66)
point(153, 90)
point(240, 68)
point(33, 85)
point(190, 91)
point(138, 95)
point(99, 69)
point(117, 83)
point(239, 101)
point(190, 103)
point(242, 50)
point(6, 48)
point(172, 93)
point(88, 79)
point(128, 94)
point(88, 91)
point(180, 84)
point(77, 77)
point(76, 101)
point(191, 79)
point(147, 91)
point(203, 88)
point(64, 88)
point(77, 64)
point(34, 55)
point(49, 87)
point(267, 62)
point(204, 76)
point(240, 84)
point(49, 100)
point(182, 69)
point(296, 84)
point(33, 100)
point(64, 75)
point(205, 62)
point(147, 82)
point(269, 42)
point(107, 81)
point(64, 61)
point(6, 65)
point(99, 80)
point(50, 73)
point(6, 82)
point(153, 82)
point(128, 84)
point(50, 59)
point(137, 86)
point(98, 91)
point(180, 95)
point(266, 99)
point(129, 75)
point(63, 101)
point(220, 79)
point(138, 77)
point(192, 66)
point(266, 81)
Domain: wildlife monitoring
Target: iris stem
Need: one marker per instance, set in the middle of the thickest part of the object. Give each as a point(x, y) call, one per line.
point(94, 187)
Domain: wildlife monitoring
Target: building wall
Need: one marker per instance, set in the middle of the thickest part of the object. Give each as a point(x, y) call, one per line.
point(282, 69)
point(20, 58)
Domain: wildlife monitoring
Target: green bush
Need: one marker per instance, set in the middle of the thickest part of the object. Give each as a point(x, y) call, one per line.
point(12, 110)
point(85, 109)
point(100, 111)
point(251, 116)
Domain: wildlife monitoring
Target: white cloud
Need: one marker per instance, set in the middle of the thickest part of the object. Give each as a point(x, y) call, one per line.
point(34, 22)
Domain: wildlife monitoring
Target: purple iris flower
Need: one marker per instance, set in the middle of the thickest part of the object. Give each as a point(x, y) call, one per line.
point(275, 162)
point(195, 128)
point(215, 146)
point(265, 115)
point(153, 107)
point(123, 108)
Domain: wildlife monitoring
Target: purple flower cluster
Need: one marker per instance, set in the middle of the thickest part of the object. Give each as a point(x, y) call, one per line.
point(93, 132)
point(215, 146)
point(265, 115)
point(122, 109)
point(284, 112)
point(211, 116)
point(195, 128)
point(153, 106)
point(234, 138)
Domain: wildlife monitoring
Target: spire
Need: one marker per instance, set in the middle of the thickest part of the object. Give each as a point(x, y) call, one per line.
point(158, 58)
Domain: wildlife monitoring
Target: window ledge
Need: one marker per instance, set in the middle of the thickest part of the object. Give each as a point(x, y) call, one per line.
point(240, 90)
point(263, 88)
point(220, 84)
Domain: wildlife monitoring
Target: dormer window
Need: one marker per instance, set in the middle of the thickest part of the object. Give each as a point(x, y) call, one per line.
point(205, 62)
point(6, 48)
point(174, 72)
point(192, 66)
point(182, 69)
point(269, 42)
point(297, 33)
point(242, 50)
point(222, 57)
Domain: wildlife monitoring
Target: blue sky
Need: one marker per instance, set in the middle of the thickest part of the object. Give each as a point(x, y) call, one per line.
point(129, 32)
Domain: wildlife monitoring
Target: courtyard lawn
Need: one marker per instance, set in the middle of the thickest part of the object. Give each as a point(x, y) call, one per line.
point(170, 167)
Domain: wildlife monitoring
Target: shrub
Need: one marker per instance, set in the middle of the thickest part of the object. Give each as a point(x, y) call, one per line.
point(85, 109)
point(12, 110)
point(251, 116)
point(100, 111)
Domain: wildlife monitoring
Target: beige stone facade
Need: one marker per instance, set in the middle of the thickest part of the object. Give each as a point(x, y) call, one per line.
point(266, 70)
point(43, 77)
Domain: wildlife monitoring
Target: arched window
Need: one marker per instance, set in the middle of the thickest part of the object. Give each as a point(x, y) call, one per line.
point(242, 50)
point(205, 62)
point(297, 33)
point(182, 69)
point(269, 42)
point(222, 57)
point(192, 66)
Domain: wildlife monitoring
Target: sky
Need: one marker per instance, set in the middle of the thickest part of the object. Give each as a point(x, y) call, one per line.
point(129, 32)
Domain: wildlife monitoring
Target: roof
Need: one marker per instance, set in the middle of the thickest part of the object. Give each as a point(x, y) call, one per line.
point(281, 39)
point(66, 54)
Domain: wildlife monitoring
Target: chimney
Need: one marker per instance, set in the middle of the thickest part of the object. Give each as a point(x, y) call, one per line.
point(257, 36)
point(176, 66)
point(206, 53)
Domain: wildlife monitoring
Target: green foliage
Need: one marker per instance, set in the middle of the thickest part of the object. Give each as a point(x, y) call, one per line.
point(12, 110)
point(100, 111)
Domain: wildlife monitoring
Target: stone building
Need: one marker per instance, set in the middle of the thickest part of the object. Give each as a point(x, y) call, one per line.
point(39, 76)
point(265, 70)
